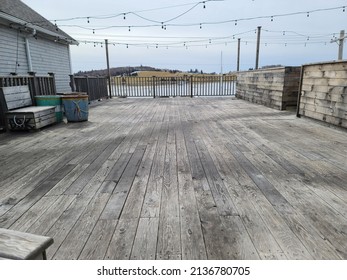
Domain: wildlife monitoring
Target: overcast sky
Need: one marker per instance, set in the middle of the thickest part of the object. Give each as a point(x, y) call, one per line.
point(203, 36)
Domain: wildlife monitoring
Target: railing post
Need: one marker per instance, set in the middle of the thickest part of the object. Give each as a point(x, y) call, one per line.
point(33, 85)
point(53, 88)
point(72, 83)
point(191, 87)
point(87, 85)
point(153, 84)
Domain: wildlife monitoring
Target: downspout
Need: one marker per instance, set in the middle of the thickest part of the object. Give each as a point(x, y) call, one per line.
point(70, 64)
point(27, 47)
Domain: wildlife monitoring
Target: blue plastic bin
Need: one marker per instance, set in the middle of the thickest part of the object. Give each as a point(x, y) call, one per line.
point(76, 107)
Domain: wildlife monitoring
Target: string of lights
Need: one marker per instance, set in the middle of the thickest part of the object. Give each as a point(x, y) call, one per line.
point(88, 19)
point(165, 23)
point(285, 38)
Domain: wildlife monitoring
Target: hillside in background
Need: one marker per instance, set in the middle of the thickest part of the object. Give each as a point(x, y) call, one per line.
point(122, 71)
point(127, 70)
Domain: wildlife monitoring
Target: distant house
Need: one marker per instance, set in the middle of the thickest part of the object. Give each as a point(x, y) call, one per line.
point(31, 43)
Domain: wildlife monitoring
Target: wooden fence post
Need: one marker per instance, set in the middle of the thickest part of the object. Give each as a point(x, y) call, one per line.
point(72, 83)
point(191, 87)
point(52, 86)
point(87, 84)
point(33, 86)
point(153, 84)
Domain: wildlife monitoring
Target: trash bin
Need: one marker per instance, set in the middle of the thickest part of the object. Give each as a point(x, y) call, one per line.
point(51, 100)
point(76, 107)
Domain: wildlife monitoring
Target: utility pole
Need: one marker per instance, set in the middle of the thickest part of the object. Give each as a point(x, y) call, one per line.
point(238, 54)
point(340, 42)
point(108, 69)
point(258, 46)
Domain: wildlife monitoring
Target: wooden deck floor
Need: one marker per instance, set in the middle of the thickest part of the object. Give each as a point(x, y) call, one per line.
point(181, 178)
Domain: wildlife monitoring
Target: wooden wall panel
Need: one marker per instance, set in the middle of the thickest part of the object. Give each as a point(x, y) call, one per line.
point(274, 87)
point(323, 93)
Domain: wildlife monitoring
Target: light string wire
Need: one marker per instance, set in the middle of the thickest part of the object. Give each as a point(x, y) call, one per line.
point(235, 21)
point(295, 39)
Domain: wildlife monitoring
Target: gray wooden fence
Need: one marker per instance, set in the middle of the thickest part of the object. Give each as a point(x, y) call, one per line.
point(95, 87)
point(38, 85)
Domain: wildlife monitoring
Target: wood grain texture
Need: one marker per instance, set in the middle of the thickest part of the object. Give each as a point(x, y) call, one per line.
point(22, 246)
point(323, 93)
point(180, 178)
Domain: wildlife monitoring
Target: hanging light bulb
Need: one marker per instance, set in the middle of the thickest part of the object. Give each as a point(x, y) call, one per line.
point(284, 33)
point(235, 22)
point(343, 9)
point(308, 14)
point(129, 28)
point(93, 31)
point(127, 46)
point(200, 26)
point(88, 20)
point(204, 5)
point(124, 16)
point(162, 25)
point(272, 18)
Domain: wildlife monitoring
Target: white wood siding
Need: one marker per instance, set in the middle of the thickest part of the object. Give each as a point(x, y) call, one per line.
point(46, 56)
point(8, 52)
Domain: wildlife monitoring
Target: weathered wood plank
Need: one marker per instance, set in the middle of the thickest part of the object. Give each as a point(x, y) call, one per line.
point(17, 211)
point(122, 240)
point(247, 196)
point(145, 242)
point(169, 244)
point(75, 241)
point(115, 205)
point(151, 204)
point(192, 240)
point(97, 244)
point(134, 202)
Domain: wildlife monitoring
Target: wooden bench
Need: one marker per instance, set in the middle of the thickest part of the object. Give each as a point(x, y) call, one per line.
point(19, 112)
point(16, 245)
